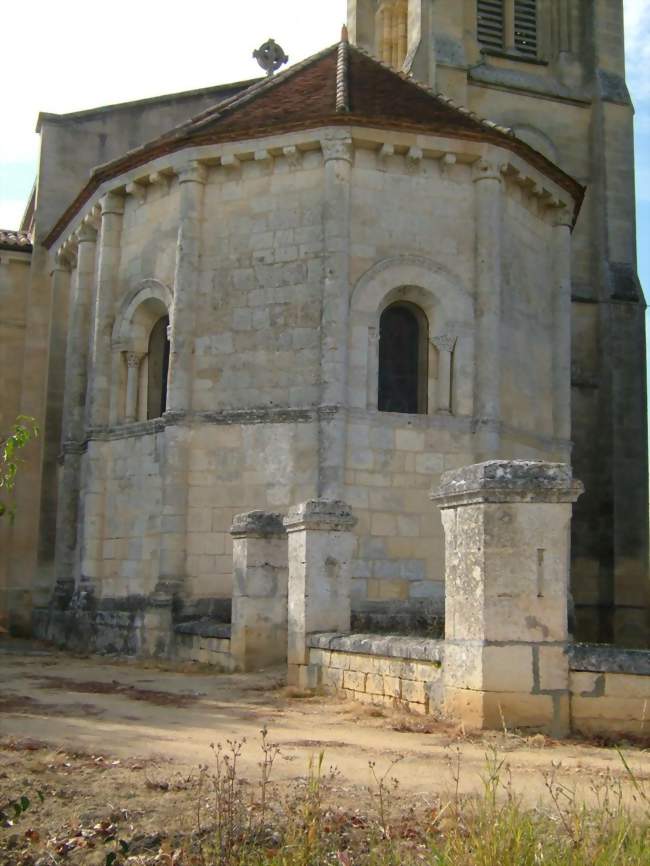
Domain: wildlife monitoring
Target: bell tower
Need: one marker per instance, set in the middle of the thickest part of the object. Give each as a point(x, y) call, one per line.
point(554, 72)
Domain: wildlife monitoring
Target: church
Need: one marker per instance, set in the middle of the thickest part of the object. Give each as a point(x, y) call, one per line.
point(411, 252)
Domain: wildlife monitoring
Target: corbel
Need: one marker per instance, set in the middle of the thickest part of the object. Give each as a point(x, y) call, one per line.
point(447, 162)
point(138, 190)
point(158, 178)
point(414, 158)
point(263, 158)
point(293, 156)
point(231, 161)
point(385, 152)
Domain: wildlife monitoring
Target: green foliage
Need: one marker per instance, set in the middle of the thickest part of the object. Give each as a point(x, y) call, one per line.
point(22, 432)
point(13, 810)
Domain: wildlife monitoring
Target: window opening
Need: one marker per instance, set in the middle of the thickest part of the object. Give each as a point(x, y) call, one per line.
point(403, 360)
point(491, 23)
point(158, 369)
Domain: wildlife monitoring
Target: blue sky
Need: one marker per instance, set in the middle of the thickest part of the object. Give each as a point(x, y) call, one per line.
point(56, 64)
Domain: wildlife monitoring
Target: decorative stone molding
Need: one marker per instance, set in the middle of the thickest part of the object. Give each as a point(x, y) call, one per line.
point(484, 169)
point(337, 148)
point(259, 524)
point(498, 481)
point(385, 152)
point(320, 514)
point(444, 343)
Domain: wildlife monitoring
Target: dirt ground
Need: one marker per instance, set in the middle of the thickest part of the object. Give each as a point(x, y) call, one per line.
point(100, 737)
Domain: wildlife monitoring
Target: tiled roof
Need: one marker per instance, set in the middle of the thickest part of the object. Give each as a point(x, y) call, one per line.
point(340, 85)
point(14, 240)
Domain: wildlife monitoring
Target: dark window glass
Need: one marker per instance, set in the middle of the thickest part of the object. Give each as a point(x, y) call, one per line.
point(158, 369)
point(400, 361)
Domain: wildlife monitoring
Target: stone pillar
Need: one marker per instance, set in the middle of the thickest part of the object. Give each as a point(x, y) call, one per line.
point(337, 156)
point(445, 346)
point(488, 185)
point(76, 362)
point(176, 440)
point(188, 250)
point(507, 530)
point(321, 545)
point(99, 385)
point(373, 368)
point(133, 361)
point(562, 327)
point(258, 635)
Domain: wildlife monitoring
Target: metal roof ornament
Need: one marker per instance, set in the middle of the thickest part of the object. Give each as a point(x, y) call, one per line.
point(270, 57)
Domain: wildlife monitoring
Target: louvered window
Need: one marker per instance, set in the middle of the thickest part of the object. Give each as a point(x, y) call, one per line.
point(508, 25)
point(526, 27)
point(491, 23)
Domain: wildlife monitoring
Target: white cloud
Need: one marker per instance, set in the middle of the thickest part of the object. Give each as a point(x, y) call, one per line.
point(11, 211)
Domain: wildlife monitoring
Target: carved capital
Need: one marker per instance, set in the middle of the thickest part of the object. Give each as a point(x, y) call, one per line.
point(134, 359)
point(444, 343)
point(111, 203)
point(86, 233)
point(193, 172)
point(63, 260)
point(337, 148)
point(485, 169)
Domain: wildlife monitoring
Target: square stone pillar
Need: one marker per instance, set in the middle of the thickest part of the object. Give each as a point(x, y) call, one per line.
point(507, 536)
point(258, 635)
point(321, 546)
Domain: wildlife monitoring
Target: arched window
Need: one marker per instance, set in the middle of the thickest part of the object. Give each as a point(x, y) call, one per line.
point(403, 359)
point(158, 368)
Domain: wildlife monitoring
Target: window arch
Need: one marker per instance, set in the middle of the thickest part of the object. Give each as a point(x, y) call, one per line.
point(158, 368)
point(403, 359)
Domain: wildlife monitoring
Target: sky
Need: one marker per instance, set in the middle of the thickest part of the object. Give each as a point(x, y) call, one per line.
point(84, 56)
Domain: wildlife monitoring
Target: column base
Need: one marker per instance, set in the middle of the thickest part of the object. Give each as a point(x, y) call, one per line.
point(477, 710)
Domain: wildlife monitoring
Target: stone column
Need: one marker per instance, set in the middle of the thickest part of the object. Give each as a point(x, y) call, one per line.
point(99, 385)
point(176, 440)
point(192, 180)
point(562, 327)
point(337, 156)
point(488, 185)
point(321, 545)
point(258, 635)
point(507, 546)
point(373, 368)
point(445, 346)
point(133, 361)
point(76, 363)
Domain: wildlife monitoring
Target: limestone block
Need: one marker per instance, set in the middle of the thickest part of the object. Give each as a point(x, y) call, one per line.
point(392, 686)
point(332, 677)
point(260, 581)
point(627, 686)
point(354, 680)
point(374, 684)
point(553, 668)
point(414, 692)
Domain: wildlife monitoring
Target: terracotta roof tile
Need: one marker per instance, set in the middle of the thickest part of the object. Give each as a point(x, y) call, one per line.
point(15, 240)
point(340, 85)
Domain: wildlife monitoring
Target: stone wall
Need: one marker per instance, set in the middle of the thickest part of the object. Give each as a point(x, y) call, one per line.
point(388, 671)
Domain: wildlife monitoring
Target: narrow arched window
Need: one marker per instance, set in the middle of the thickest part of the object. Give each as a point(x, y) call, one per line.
point(403, 359)
point(158, 368)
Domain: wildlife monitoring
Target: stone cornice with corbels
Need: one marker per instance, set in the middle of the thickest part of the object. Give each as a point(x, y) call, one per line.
point(334, 143)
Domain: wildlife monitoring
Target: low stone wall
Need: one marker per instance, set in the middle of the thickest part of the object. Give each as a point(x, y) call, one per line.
point(384, 670)
point(610, 690)
point(205, 642)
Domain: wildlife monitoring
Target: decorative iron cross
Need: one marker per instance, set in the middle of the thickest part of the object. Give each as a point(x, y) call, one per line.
point(270, 57)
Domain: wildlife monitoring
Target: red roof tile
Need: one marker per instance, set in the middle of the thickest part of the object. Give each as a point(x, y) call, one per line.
point(340, 85)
